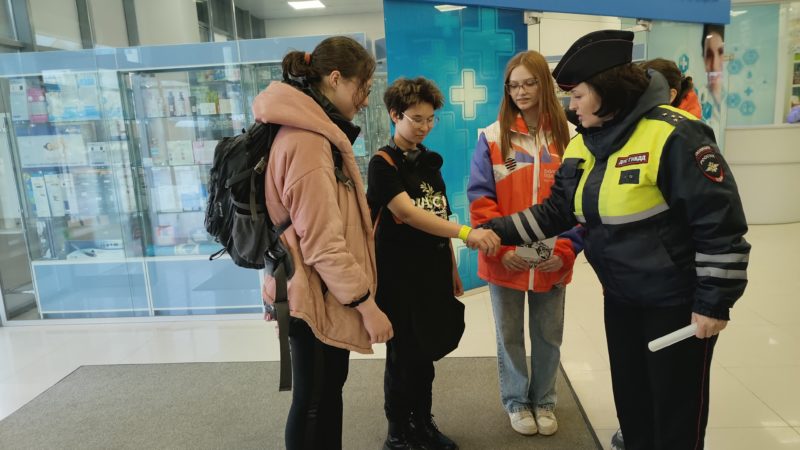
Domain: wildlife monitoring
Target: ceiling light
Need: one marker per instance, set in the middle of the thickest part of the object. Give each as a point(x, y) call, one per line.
point(306, 5)
point(446, 8)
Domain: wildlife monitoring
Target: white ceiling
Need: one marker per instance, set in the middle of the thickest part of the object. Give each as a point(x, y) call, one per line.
point(280, 9)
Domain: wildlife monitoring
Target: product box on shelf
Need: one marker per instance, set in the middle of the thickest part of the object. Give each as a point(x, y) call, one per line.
point(204, 151)
point(180, 152)
point(37, 105)
point(52, 150)
point(97, 153)
point(19, 100)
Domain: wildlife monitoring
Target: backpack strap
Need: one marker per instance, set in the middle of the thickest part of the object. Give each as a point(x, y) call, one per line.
point(281, 306)
point(383, 154)
point(386, 156)
point(338, 162)
point(277, 261)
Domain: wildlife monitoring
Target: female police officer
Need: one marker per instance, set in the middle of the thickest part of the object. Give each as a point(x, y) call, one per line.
point(664, 233)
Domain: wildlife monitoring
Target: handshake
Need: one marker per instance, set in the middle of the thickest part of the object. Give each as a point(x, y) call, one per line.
point(484, 240)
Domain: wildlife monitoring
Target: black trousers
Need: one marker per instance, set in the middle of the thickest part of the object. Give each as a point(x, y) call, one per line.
point(661, 397)
point(408, 378)
point(318, 373)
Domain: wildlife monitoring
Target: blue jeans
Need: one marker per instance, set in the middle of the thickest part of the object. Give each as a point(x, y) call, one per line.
point(546, 317)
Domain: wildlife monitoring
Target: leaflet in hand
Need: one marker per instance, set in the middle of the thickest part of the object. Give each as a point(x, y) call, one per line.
point(537, 252)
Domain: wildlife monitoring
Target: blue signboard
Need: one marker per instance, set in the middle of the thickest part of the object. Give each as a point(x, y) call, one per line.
point(697, 11)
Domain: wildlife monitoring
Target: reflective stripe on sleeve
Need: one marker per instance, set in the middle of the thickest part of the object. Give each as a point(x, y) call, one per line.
point(722, 258)
point(721, 273)
point(534, 224)
point(520, 229)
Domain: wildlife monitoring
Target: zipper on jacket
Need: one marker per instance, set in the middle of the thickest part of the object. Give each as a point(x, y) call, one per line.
point(536, 166)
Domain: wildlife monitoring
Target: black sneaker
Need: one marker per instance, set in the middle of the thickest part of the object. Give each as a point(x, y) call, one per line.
point(401, 437)
point(428, 434)
point(616, 441)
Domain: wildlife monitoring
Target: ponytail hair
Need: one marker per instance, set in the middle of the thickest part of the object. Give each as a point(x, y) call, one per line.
point(340, 53)
point(687, 85)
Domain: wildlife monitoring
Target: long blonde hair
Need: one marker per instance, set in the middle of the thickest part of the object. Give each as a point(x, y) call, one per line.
point(551, 113)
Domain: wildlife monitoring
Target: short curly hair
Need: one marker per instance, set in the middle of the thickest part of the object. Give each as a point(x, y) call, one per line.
point(405, 93)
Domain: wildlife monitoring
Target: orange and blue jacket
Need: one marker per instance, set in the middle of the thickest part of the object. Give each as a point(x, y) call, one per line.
point(499, 187)
point(691, 104)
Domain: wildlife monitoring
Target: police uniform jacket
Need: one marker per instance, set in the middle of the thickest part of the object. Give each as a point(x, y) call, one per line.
point(664, 221)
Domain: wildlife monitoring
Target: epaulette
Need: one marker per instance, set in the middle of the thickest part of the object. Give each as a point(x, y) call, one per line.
point(666, 115)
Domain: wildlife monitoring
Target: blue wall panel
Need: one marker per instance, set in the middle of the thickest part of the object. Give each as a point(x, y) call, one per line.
point(465, 53)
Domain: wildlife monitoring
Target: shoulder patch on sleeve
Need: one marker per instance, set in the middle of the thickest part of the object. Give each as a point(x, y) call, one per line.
point(709, 163)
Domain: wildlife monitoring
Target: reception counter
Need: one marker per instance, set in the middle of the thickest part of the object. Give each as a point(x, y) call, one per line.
point(766, 163)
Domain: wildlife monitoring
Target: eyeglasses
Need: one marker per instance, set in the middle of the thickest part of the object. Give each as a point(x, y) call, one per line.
point(419, 122)
point(527, 84)
point(363, 90)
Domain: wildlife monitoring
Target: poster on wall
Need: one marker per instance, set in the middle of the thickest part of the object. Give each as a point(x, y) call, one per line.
point(734, 68)
point(752, 44)
point(711, 98)
point(464, 51)
point(699, 58)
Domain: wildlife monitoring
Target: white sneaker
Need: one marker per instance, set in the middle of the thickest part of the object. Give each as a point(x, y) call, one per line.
point(546, 420)
point(523, 423)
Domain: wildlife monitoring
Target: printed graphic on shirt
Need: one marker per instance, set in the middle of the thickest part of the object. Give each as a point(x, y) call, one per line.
point(536, 252)
point(637, 158)
point(432, 201)
point(708, 161)
point(510, 166)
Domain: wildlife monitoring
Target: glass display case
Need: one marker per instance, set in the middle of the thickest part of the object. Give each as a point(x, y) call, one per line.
point(73, 176)
point(74, 166)
point(175, 119)
point(110, 151)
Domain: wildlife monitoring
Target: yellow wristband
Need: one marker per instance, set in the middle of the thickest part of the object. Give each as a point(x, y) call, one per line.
point(464, 232)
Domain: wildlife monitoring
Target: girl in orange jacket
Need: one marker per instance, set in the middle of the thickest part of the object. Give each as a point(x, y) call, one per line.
point(513, 167)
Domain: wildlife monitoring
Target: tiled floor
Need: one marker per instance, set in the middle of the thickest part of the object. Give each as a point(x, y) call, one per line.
point(755, 399)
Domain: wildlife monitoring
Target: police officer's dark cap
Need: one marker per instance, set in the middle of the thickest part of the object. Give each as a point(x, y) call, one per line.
point(593, 53)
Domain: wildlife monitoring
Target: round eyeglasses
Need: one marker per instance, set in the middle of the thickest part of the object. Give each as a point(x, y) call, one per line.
point(527, 84)
point(418, 122)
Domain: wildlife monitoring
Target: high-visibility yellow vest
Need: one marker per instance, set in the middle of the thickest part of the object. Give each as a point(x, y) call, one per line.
point(628, 191)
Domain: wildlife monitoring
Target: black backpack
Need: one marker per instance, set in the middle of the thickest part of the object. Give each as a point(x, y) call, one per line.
point(236, 213)
point(237, 218)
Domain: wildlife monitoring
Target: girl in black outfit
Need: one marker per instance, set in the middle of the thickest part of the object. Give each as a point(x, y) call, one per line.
point(417, 275)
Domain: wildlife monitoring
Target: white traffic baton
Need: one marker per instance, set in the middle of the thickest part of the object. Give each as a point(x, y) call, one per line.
point(672, 338)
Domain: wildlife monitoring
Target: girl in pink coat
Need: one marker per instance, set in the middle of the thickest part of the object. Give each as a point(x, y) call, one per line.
point(332, 291)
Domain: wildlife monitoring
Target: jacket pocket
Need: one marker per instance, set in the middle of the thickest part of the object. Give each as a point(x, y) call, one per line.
point(642, 269)
point(570, 176)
